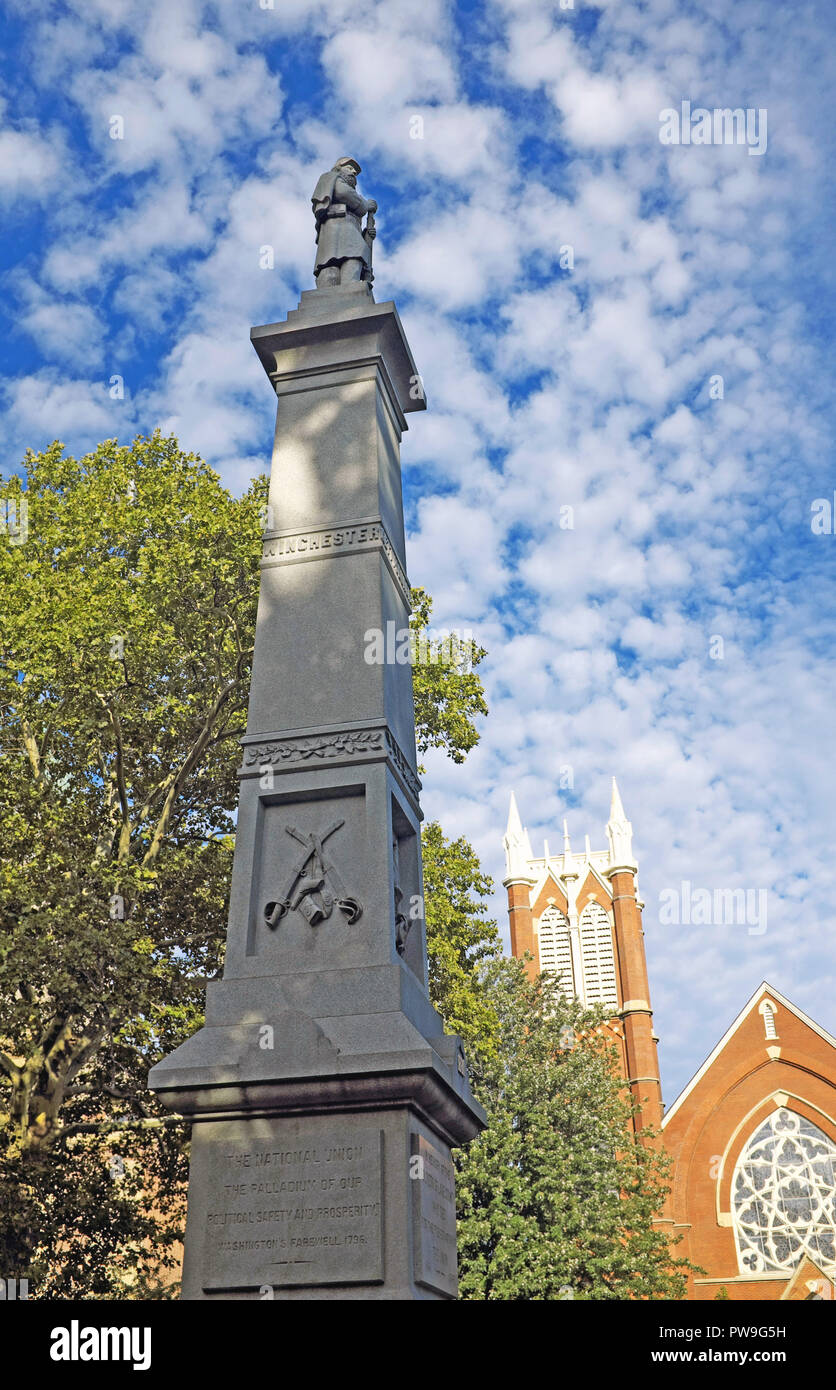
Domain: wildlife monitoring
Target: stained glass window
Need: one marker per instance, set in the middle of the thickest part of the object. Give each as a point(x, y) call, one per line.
point(784, 1196)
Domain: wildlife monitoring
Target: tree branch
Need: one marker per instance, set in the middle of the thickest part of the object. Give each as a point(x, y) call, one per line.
point(116, 725)
point(10, 1066)
point(30, 743)
point(193, 756)
point(113, 1126)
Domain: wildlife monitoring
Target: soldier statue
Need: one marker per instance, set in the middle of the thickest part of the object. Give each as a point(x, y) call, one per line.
point(343, 249)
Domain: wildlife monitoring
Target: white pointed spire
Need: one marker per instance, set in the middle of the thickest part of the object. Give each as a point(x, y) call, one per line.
point(546, 855)
point(517, 845)
point(588, 847)
point(569, 870)
point(616, 808)
point(514, 826)
point(620, 834)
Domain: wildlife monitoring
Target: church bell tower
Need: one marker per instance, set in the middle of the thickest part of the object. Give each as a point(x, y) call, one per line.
point(578, 917)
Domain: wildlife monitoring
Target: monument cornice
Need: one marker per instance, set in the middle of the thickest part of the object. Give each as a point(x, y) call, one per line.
point(313, 339)
point(422, 1089)
point(290, 382)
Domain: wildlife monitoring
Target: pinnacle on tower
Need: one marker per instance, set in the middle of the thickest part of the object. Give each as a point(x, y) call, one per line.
point(616, 808)
point(514, 827)
point(569, 870)
point(619, 833)
point(516, 844)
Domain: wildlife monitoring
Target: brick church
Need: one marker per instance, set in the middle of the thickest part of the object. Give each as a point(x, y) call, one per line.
point(753, 1134)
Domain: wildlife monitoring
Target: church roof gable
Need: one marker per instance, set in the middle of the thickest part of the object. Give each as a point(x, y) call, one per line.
point(597, 880)
point(763, 990)
point(544, 888)
point(809, 1281)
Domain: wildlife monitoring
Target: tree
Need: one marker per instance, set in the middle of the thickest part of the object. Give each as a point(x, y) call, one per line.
point(448, 692)
point(461, 939)
point(556, 1198)
point(127, 638)
point(128, 601)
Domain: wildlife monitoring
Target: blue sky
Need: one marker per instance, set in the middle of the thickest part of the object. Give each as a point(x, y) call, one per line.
point(548, 386)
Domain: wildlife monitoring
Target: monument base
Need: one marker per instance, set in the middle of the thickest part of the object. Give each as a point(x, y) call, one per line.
point(314, 1207)
point(320, 1163)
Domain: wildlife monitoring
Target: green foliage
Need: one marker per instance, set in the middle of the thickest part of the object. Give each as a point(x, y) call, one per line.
point(128, 615)
point(556, 1199)
point(448, 692)
point(460, 939)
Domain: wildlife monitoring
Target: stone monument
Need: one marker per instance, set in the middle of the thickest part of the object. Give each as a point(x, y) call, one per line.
point(324, 1093)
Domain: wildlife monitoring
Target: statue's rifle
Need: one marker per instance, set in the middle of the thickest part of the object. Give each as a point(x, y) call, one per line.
point(369, 234)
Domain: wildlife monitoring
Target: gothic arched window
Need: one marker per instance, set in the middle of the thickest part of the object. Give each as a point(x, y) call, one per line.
point(784, 1196)
point(598, 957)
point(556, 948)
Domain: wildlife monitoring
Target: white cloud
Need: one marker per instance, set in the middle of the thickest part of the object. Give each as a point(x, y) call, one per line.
point(29, 164)
point(64, 330)
point(42, 407)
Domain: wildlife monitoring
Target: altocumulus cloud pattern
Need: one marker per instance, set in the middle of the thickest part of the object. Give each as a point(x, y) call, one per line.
point(615, 332)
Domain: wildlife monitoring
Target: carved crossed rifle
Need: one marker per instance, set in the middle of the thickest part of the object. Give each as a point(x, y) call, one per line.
point(315, 885)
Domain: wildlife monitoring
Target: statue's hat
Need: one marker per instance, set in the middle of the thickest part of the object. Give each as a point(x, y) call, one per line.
point(347, 160)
